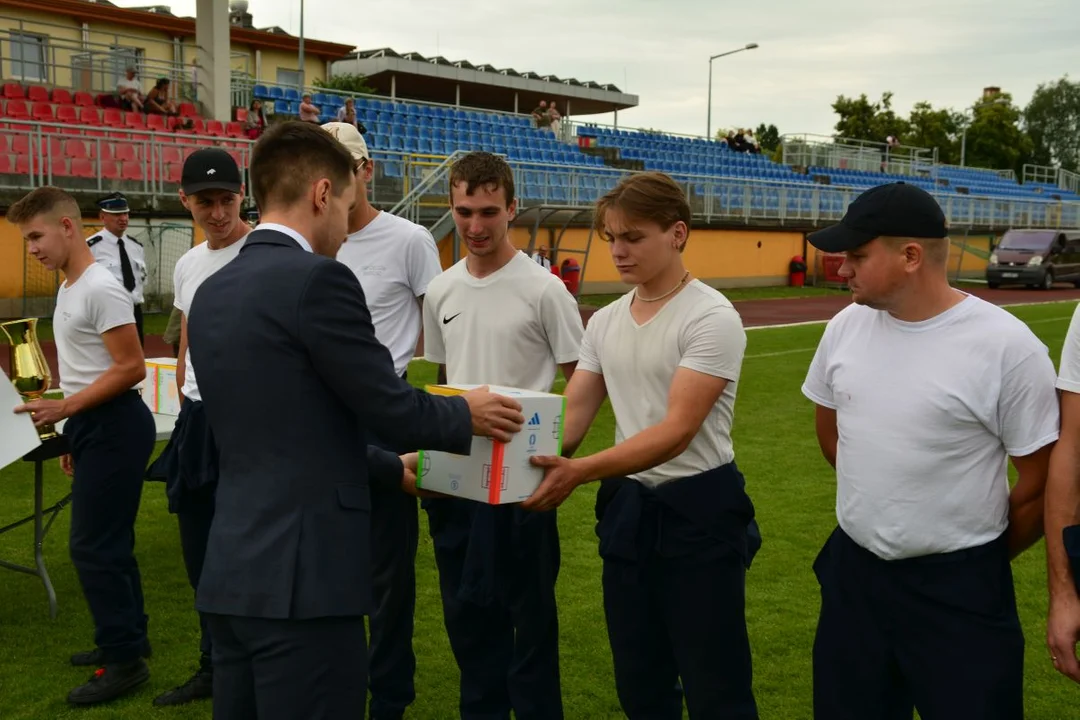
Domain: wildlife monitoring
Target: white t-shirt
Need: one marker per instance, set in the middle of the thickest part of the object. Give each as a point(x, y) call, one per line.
point(394, 260)
point(95, 304)
point(927, 413)
point(510, 328)
point(124, 85)
point(194, 266)
point(697, 329)
point(1069, 369)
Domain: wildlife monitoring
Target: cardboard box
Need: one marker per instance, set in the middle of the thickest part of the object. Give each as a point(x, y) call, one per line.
point(493, 472)
point(159, 391)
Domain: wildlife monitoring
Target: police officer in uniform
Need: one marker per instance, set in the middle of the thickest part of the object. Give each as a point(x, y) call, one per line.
point(122, 254)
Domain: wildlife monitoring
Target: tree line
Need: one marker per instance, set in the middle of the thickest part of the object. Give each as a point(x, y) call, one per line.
point(1000, 134)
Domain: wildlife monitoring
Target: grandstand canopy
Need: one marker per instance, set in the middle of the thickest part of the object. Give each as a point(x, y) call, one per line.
point(436, 79)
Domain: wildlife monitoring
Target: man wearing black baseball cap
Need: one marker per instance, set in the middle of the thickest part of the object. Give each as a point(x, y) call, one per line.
point(923, 394)
point(212, 189)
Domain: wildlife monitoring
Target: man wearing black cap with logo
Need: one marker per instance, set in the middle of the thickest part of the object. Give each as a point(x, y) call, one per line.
point(923, 393)
point(212, 189)
point(122, 254)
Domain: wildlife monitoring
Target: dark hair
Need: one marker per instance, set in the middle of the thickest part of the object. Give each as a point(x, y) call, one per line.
point(289, 157)
point(650, 196)
point(44, 200)
point(483, 169)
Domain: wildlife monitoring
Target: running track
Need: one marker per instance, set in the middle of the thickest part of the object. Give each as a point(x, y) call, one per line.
point(755, 313)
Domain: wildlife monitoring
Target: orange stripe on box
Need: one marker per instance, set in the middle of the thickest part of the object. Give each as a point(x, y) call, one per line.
point(495, 489)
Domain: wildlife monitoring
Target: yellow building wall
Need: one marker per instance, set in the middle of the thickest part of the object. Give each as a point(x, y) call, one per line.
point(271, 60)
point(64, 35)
point(731, 257)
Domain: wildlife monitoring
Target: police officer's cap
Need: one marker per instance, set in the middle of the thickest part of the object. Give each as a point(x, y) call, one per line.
point(115, 203)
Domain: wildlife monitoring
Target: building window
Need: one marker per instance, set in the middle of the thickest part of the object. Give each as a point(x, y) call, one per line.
point(288, 78)
point(28, 56)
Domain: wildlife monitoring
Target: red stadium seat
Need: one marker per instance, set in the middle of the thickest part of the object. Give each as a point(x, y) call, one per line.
point(114, 117)
point(43, 112)
point(26, 164)
point(89, 116)
point(110, 170)
point(60, 96)
point(156, 123)
point(83, 168)
point(16, 109)
point(132, 170)
point(188, 110)
point(20, 144)
point(126, 152)
point(6, 166)
point(4, 144)
point(173, 171)
point(75, 149)
point(170, 154)
point(84, 99)
point(135, 120)
point(235, 130)
point(13, 90)
point(37, 93)
point(67, 114)
point(215, 128)
point(59, 167)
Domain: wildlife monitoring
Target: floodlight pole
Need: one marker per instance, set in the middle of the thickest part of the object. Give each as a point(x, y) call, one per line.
point(708, 124)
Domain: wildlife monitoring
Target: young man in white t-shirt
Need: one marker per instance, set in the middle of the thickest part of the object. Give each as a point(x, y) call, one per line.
point(111, 435)
point(676, 527)
point(923, 393)
point(394, 260)
point(212, 190)
point(1063, 514)
point(496, 317)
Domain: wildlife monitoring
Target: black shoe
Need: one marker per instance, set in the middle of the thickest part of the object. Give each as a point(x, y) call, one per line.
point(199, 687)
point(96, 657)
point(110, 682)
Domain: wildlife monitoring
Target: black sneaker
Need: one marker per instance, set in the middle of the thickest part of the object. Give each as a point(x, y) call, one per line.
point(96, 657)
point(199, 687)
point(110, 682)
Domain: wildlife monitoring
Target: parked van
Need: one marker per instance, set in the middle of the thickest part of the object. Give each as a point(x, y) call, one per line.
point(1036, 258)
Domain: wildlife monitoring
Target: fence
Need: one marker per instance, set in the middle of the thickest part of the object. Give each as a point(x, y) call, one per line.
point(809, 150)
point(163, 244)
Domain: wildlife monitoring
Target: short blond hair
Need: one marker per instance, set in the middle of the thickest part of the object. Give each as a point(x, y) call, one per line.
point(46, 200)
point(936, 249)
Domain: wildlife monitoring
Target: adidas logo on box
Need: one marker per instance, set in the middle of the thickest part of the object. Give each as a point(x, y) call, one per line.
point(473, 476)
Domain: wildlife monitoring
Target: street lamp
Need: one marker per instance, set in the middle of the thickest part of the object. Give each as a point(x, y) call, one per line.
point(963, 134)
point(708, 126)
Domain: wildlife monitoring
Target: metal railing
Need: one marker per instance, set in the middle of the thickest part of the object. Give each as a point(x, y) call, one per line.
point(143, 163)
point(1052, 176)
point(811, 150)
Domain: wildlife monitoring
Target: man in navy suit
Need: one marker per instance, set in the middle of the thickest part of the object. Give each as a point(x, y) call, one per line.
point(292, 380)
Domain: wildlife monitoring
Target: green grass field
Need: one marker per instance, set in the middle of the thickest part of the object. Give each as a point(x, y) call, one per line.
point(792, 487)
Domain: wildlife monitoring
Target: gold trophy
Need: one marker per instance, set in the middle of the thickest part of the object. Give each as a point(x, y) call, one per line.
point(29, 370)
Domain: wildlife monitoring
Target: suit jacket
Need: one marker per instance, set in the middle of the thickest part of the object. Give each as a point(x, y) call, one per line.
point(292, 380)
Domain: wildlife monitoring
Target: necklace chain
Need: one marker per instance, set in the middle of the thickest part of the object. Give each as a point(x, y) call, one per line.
point(637, 293)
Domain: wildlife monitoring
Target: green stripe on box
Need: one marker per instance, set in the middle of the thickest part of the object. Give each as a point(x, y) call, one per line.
point(419, 468)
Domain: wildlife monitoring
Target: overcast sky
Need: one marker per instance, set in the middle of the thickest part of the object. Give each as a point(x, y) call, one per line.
point(943, 51)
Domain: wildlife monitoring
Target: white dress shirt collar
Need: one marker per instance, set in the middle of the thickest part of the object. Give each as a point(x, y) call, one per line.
point(300, 239)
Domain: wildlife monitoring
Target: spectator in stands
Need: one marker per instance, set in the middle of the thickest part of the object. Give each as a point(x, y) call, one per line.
point(130, 91)
point(751, 143)
point(540, 115)
point(347, 112)
point(157, 100)
point(308, 111)
point(554, 118)
point(256, 120)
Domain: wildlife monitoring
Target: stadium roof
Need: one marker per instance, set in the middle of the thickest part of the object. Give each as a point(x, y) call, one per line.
point(437, 79)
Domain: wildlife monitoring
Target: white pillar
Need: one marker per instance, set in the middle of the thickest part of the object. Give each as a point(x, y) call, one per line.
point(457, 98)
point(212, 38)
point(616, 117)
point(516, 103)
point(393, 86)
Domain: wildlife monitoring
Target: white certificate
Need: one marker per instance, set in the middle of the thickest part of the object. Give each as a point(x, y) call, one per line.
point(18, 435)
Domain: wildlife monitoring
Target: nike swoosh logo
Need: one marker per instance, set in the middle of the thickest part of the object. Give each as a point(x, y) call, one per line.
point(448, 319)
